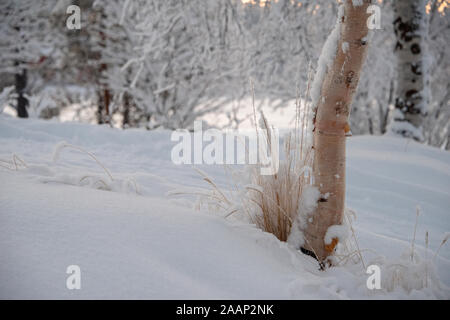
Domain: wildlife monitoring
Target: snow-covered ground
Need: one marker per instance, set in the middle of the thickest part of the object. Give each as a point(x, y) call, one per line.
point(134, 241)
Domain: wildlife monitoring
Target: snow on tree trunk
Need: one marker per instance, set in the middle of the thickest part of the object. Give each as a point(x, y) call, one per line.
point(333, 88)
point(412, 93)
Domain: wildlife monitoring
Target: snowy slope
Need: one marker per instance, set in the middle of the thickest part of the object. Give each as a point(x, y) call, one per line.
point(149, 245)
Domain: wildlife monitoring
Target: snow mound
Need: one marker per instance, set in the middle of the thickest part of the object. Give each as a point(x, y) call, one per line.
point(148, 245)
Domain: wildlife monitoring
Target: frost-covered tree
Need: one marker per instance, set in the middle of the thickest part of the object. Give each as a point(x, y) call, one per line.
point(82, 63)
point(372, 103)
point(165, 63)
point(31, 46)
point(282, 40)
point(29, 43)
point(169, 62)
point(166, 59)
point(436, 124)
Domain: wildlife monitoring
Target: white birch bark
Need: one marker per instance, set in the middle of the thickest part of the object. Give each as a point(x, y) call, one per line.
point(412, 92)
point(332, 95)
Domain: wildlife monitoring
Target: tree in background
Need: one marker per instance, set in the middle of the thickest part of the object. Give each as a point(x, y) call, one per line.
point(166, 58)
point(163, 63)
point(31, 46)
point(412, 94)
point(83, 64)
point(436, 125)
point(22, 44)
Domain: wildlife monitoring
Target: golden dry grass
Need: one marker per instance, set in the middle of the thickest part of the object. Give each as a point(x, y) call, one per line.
point(278, 205)
point(271, 201)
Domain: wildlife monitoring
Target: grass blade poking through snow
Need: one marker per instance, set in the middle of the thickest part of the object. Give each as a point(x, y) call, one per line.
point(60, 146)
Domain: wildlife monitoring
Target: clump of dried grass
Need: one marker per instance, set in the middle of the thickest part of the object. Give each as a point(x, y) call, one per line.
point(272, 202)
point(275, 201)
point(277, 205)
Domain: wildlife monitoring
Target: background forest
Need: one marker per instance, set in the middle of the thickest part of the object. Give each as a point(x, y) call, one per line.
point(153, 64)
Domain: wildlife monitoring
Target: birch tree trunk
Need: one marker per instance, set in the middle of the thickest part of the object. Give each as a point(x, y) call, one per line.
point(337, 86)
point(412, 93)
